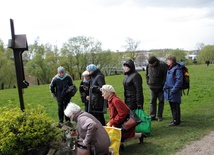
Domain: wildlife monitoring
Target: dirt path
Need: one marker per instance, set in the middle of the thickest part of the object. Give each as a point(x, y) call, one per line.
point(205, 146)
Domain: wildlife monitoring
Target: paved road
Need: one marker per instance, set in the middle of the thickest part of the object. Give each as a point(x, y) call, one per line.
point(205, 146)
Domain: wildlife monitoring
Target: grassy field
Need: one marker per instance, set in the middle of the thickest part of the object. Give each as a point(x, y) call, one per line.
point(197, 112)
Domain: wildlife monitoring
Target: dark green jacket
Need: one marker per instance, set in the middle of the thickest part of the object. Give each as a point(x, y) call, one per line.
point(156, 76)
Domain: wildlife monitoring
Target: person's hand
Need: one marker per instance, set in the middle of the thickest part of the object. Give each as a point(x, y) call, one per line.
point(79, 140)
point(67, 91)
point(53, 95)
point(83, 145)
point(87, 98)
point(85, 88)
point(108, 124)
point(139, 106)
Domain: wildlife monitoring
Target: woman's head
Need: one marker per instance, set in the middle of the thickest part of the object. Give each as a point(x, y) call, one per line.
point(86, 75)
point(91, 68)
point(107, 91)
point(171, 60)
point(71, 110)
point(126, 68)
point(61, 71)
point(129, 66)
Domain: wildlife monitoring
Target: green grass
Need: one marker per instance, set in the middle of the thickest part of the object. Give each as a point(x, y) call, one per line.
point(196, 111)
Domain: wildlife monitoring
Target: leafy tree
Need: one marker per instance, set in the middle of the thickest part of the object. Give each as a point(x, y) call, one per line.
point(43, 63)
point(180, 54)
point(7, 70)
point(207, 53)
point(80, 51)
point(160, 53)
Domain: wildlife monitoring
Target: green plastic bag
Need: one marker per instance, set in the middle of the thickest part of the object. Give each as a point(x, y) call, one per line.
point(145, 125)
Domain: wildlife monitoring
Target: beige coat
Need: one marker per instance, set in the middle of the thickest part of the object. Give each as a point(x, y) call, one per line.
point(92, 132)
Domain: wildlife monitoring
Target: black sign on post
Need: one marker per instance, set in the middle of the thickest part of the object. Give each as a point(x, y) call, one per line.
point(19, 44)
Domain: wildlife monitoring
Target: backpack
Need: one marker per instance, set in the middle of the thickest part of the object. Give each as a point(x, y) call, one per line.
point(186, 78)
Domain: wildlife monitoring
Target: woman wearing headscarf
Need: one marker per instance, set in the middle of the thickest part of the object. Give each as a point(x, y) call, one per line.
point(133, 89)
point(89, 129)
point(118, 113)
point(96, 100)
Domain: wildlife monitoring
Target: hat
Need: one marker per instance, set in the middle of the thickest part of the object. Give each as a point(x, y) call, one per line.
point(71, 109)
point(91, 67)
point(152, 59)
point(60, 69)
point(85, 73)
point(108, 88)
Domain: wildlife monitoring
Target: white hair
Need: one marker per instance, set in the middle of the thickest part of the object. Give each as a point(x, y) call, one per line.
point(71, 109)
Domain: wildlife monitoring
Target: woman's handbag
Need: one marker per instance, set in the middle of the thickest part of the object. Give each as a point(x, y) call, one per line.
point(132, 121)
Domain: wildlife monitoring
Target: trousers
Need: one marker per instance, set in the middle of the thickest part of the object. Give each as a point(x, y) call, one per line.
point(100, 117)
point(62, 104)
point(176, 112)
point(156, 94)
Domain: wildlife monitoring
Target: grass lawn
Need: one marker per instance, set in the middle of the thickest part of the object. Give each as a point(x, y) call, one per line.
point(197, 111)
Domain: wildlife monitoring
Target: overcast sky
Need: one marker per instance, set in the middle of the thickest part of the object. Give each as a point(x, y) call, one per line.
point(156, 23)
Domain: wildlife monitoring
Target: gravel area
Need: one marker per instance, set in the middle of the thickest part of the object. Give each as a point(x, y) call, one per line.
point(205, 146)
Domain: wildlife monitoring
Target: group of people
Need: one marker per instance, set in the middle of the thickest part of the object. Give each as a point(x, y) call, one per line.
point(164, 80)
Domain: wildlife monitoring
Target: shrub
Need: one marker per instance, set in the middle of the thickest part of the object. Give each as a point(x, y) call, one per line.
point(21, 131)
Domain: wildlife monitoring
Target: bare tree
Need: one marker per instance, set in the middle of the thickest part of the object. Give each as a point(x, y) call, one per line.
point(199, 46)
point(131, 47)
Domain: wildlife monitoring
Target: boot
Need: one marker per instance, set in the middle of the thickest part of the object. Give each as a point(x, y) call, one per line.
point(141, 139)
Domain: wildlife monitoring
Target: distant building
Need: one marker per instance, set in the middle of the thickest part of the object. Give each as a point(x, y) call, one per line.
point(192, 56)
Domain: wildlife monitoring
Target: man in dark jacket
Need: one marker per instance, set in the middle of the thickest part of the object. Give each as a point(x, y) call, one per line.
point(61, 88)
point(97, 102)
point(133, 90)
point(172, 89)
point(156, 76)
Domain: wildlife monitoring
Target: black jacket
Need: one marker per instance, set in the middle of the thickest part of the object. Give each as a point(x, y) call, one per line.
point(156, 76)
point(59, 86)
point(84, 90)
point(96, 99)
point(133, 89)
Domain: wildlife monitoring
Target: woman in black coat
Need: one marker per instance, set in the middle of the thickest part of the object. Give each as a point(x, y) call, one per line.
point(97, 102)
point(133, 89)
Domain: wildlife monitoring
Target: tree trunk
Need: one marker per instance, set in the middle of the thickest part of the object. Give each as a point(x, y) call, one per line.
point(38, 82)
point(80, 75)
point(2, 86)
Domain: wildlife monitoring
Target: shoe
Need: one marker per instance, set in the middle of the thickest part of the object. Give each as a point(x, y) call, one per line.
point(160, 119)
point(68, 124)
point(173, 123)
point(154, 119)
point(60, 124)
point(141, 139)
point(122, 147)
